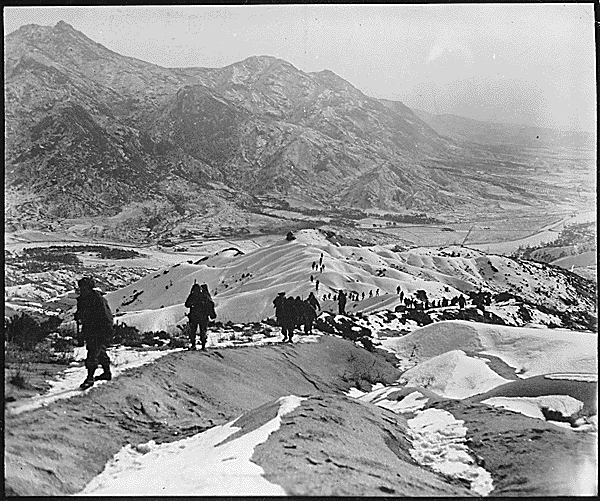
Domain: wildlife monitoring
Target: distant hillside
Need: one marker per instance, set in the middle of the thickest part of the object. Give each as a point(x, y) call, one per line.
point(244, 285)
point(91, 133)
point(492, 133)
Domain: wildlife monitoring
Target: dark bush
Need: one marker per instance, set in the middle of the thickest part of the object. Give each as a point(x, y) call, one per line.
point(25, 332)
point(418, 316)
point(18, 379)
point(126, 335)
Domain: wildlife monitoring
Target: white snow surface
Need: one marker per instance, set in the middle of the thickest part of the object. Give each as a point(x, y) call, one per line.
point(197, 466)
point(410, 403)
point(453, 375)
point(588, 378)
point(355, 393)
point(531, 406)
point(244, 285)
point(530, 351)
point(438, 441)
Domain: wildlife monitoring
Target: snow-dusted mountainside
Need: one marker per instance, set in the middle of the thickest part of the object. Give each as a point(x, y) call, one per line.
point(245, 284)
point(94, 134)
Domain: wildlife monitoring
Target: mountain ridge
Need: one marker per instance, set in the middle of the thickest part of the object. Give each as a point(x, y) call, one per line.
point(259, 127)
point(494, 133)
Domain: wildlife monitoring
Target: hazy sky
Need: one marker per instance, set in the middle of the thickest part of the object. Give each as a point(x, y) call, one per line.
point(519, 63)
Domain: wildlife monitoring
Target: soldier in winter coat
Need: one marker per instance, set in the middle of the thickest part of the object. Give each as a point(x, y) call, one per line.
point(289, 316)
point(285, 311)
point(313, 301)
point(342, 303)
point(95, 317)
point(278, 304)
point(201, 308)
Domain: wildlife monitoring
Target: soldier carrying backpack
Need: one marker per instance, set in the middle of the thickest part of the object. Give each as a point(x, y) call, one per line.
point(201, 308)
point(94, 314)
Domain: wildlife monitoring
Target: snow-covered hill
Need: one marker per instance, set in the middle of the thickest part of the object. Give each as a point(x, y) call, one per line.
point(528, 351)
point(244, 284)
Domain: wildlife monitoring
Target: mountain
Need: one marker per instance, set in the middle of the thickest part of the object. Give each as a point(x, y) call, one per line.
point(91, 133)
point(496, 134)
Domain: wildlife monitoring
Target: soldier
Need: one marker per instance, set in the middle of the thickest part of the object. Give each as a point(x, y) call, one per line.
point(310, 312)
point(96, 319)
point(342, 303)
point(313, 301)
point(201, 308)
point(277, 303)
point(288, 318)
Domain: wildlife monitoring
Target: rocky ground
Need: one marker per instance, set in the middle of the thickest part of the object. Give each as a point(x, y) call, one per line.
point(331, 444)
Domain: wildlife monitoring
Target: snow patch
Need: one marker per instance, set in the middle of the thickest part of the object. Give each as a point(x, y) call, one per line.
point(531, 406)
point(453, 375)
point(411, 403)
point(587, 378)
point(438, 441)
point(355, 393)
point(197, 466)
point(531, 351)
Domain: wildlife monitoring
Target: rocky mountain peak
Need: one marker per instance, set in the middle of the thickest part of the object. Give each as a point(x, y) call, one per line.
point(258, 126)
point(62, 25)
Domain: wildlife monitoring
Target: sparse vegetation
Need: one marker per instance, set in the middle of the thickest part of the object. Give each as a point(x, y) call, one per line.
point(60, 257)
point(572, 239)
point(18, 379)
point(26, 333)
point(362, 370)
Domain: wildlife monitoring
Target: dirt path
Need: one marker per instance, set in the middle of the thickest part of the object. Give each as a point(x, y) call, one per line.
point(59, 449)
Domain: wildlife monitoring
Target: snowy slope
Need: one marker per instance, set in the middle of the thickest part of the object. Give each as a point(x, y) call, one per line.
point(530, 351)
point(469, 269)
point(244, 285)
point(203, 465)
point(454, 375)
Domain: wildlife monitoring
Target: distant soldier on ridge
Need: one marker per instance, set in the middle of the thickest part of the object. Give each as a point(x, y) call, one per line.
point(342, 303)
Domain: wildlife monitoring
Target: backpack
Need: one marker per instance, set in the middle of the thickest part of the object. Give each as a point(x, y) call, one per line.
point(201, 306)
point(212, 314)
point(106, 310)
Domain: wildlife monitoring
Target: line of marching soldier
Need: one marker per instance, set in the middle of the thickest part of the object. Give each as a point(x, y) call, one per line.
point(293, 312)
